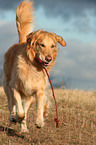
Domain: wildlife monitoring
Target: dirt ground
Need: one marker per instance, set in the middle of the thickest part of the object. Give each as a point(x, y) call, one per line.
point(77, 121)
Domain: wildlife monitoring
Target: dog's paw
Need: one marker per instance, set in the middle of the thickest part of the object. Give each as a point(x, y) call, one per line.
point(24, 127)
point(39, 123)
point(16, 118)
point(19, 119)
point(24, 130)
point(12, 119)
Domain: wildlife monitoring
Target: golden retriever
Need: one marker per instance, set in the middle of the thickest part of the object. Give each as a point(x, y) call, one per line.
point(25, 79)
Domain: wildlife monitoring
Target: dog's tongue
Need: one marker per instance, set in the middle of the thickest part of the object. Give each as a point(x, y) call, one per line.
point(40, 60)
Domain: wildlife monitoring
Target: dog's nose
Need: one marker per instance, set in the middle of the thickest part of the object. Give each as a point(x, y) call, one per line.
point(48, 58)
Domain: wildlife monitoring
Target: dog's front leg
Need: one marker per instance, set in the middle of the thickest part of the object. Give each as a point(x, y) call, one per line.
point(26, 105)
point(40, 109)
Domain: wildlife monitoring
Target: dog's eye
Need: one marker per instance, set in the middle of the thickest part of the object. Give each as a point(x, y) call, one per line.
point(42, 45)
point(52, 46)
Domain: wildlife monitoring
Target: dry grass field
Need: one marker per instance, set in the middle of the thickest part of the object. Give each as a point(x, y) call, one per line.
point(77, 125)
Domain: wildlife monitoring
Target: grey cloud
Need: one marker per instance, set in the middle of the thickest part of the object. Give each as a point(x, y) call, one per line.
point(8, 35)
point(83, 25)
point(76, 63)
point(67, 8)
point(64, 8)
point(8, 4)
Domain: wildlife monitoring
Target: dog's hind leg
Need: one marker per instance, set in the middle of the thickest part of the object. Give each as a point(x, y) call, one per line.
point(11, 101)
point(26, 105)
point(19, 108)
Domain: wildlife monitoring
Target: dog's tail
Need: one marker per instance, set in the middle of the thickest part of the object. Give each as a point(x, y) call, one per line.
point(24, 19)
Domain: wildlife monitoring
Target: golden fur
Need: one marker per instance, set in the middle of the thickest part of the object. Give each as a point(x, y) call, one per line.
point(24, 77)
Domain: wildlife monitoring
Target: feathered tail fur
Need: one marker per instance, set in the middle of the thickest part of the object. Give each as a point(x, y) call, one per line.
point(24, 19)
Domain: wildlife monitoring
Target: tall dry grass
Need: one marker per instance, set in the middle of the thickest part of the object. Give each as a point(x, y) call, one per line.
point(77, 121)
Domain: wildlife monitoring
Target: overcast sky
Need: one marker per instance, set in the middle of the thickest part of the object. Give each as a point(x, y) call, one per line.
point(75, 21)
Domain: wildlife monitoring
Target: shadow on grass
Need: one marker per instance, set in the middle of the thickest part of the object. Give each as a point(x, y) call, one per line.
point(10, 132)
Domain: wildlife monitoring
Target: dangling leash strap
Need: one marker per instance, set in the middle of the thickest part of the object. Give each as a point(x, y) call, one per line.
point(55, 119)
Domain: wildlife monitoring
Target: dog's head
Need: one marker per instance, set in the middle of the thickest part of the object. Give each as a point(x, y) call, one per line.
point(42, 46)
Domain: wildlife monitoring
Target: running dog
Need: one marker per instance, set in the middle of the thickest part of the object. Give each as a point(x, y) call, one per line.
point(25, 79)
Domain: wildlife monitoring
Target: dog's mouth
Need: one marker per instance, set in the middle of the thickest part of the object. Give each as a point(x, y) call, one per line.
point(44, 63)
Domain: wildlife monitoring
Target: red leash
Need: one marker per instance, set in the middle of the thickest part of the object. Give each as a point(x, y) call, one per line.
point(55, 119)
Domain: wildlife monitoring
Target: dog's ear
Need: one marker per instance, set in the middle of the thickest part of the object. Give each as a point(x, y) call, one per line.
point(59, 39)
point(31, 40)
point(32, 37)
